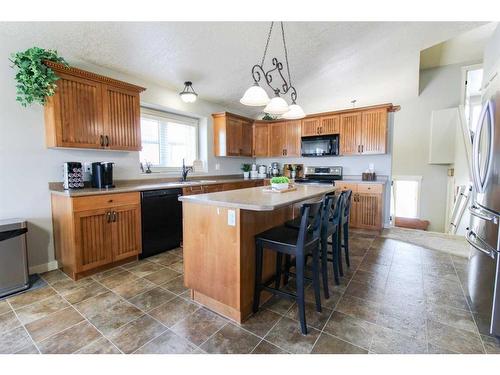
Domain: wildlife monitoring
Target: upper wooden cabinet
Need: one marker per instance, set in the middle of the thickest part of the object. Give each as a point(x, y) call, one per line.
point(260, 139)
point(284, 138)
point(233, 135)
point(92, 111)
point(324, 125)
point(363, 132)
point(311, 126)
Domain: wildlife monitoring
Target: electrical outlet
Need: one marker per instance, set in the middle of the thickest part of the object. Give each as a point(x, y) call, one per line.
point(231, 218)
point(87, 166)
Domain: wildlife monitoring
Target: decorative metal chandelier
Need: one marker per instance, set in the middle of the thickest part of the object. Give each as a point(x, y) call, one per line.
point(256, 96)
point(188, 95)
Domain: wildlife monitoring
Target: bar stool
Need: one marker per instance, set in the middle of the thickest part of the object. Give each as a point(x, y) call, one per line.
point(325, 216)
point(286, 240)
point(342, 222)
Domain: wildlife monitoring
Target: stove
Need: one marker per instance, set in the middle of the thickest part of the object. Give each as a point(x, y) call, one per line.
point(320, 175)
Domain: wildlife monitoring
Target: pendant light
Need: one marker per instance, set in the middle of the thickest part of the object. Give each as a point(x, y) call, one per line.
point(277, 106)
point(188, 95)
point(257, 96)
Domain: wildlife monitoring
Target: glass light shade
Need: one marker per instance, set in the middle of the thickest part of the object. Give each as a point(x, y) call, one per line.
point(255, 96)
point(277, 106)
point(295, 112)
point(188, 97)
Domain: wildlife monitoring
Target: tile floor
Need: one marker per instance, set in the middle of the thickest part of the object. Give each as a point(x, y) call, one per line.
point(395, 298)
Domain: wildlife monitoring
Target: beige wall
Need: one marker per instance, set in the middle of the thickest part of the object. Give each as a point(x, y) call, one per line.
point(439, 88)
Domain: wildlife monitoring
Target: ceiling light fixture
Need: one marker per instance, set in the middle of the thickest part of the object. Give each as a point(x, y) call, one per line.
point(188, 95)
point(257, 96)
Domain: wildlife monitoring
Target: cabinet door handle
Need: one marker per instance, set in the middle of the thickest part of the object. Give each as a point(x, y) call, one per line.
point(114, 216)
point(286, 152)
point(108, 216)
point(362, 148)
point(107, 140)
point(101, 137)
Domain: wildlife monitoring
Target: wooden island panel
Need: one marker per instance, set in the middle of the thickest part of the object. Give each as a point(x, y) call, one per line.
point(219, 259)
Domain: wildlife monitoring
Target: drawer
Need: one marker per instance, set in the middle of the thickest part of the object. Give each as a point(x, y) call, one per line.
point(190, 190)
point(370, 188)
point(347, 186)
point(212, 188)
point(105, 200)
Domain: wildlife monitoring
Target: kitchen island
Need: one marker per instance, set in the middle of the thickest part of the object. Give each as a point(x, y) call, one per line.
point(219, 246)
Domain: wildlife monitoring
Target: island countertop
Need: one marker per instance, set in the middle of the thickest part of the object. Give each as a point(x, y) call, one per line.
point(257, 199)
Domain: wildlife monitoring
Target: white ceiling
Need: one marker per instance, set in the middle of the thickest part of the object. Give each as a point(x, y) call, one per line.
point(331, 62)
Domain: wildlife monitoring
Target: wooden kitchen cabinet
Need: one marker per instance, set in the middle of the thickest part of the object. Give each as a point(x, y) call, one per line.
point(260, 139)
point(292, 140)
point(364, 132)
point(233, 135)
point(324, 125)
point(366, 205)
point(92, 111)
point(350, 133)
point(284, 138)
point(310, 126)
point(95, 232)
point(122, 118)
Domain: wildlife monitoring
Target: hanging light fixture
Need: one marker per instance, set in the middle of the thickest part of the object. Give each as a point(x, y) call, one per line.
point(257, 96)
point(188, 95)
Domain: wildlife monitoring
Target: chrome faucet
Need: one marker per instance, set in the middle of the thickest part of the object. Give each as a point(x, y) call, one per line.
point(185, 171)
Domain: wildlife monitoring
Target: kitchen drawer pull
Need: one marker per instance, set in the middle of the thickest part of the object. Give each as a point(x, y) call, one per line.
point(489, 252)
point(107, 140)
point(108, 216)
point(114, 216)
point(483, 214)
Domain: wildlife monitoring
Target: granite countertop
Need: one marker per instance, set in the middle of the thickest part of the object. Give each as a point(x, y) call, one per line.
point(256, 199)
point(124, 186)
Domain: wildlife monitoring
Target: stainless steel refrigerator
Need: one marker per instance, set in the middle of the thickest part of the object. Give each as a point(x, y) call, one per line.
point(483, 277)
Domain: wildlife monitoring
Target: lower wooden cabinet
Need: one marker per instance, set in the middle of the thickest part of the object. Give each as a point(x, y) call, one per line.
point(93, 232)
point(366, 205)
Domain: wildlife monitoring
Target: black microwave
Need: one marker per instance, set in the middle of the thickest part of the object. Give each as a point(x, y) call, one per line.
point(324, 145)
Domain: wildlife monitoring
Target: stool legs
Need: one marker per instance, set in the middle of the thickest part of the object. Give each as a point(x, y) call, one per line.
point(279, 265)
point(335, 256)
point(288, 264)
point(324, 264)
point(299, 265)
point(317, 292)
point(346, 244)
point(339, 250)
point(259, 252)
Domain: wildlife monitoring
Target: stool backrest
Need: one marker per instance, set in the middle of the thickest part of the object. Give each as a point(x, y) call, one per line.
point(310, 221)
point(347, 203)
point(337, 209)
point(327, 210)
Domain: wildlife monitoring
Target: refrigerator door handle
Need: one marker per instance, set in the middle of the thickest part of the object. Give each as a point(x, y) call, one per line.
point(472, 239)
point(482, 214)
point(476, 177)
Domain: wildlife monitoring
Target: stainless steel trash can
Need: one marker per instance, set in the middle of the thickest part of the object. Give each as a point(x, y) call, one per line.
point(14, 275)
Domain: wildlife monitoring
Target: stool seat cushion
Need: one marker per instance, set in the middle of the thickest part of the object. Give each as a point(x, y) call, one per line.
point(283, 235)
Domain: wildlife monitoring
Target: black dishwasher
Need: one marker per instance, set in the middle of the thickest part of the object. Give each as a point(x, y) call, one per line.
point(161, 221)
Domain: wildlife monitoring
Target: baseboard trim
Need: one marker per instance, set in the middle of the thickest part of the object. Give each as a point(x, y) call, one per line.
point(45, 267)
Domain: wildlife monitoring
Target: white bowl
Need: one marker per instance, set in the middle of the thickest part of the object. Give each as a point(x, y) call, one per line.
point(282, 186)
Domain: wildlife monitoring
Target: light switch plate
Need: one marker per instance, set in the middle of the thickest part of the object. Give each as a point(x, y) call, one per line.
point(231, 218)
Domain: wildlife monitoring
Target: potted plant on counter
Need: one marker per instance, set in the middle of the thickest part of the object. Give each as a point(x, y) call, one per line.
point(246, 168)
point(280, 183)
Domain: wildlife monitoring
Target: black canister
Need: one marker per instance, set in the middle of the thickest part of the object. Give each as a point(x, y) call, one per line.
point(102, 175)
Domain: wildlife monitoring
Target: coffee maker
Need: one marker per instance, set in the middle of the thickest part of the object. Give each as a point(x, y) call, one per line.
point(102, 175)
